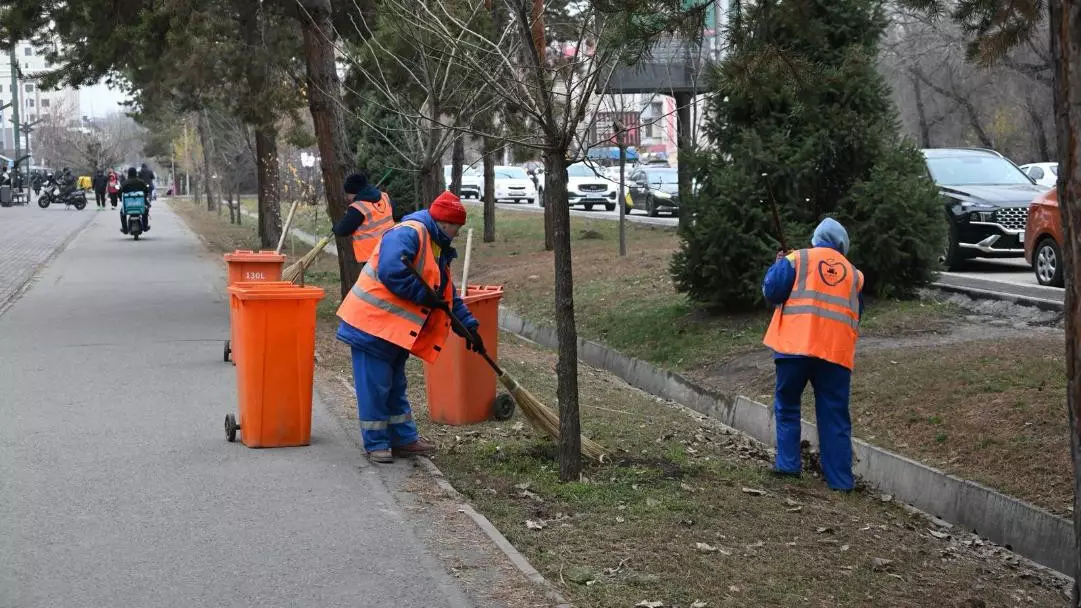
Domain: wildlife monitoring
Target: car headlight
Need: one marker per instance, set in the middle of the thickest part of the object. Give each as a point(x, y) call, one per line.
point(981, 216)
point(662, 195)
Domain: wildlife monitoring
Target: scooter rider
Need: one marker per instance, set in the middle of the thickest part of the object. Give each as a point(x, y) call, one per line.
point(134, 184)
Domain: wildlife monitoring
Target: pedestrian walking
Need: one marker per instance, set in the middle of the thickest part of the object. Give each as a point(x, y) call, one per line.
point(100, 183)
point(369, 215)
point(113, 188)
point(818, 297)
point(389, 314)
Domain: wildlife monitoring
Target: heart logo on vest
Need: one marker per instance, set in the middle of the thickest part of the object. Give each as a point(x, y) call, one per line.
point(831, 272)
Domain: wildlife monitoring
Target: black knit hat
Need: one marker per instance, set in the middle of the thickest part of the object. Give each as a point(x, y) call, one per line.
point(355, 183)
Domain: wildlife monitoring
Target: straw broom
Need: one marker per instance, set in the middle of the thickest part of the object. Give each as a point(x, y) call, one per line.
point(536, 412)
point(295, 271)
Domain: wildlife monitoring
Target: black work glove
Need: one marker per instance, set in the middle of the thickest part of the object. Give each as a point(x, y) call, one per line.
point(474, 342)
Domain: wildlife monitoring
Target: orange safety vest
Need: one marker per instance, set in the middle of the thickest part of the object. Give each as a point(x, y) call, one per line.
point(371, 307)
point(821, 318)
point(378, 218)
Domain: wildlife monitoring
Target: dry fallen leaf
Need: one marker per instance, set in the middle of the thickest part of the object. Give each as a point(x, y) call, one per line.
point(938, 534)
point(733, 588)
point(699, 604)
point(705, 548)
point(844, 547)
point(652, 502)
point(794, 509)
point(686, 488)
point(879, 564)
point(791, 503)
point(649, 604)
point(523, 486)
point(823, 530)
point(534, 524)
point(754, 491)
point(620, 520)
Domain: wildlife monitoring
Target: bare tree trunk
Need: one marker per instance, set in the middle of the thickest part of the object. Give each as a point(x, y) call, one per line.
point(229, 203)
point(270, 213)
point(489, 189)
point(236, 202)
point(621, 198)
point(549, 226)
point(457, 159)
point(1066, 59)
point(684, 146)
point(431, 183)
point(324, 95)
point(570, 441)
point(921, 112)
point(203, 127)
point(1036, 119)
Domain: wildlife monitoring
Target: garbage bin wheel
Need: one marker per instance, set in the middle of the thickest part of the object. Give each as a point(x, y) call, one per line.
point(503, 407)
point(231, 428)
point(228, 351)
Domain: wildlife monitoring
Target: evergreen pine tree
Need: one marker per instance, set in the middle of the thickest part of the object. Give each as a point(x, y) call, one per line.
point(799, 114)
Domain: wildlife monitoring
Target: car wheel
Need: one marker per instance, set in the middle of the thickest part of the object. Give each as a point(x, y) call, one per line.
point(626, 209)
point(589, 206)
point(951, 253)
point(651, 207)
point(1047, 263)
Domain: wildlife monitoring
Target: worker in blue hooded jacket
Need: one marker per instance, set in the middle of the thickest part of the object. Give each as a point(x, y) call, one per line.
point(389, 314)
point(818, 295)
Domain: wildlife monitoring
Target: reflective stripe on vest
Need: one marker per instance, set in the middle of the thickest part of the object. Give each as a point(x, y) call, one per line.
point(378, 218)
point(821, 316)
point(374, 309)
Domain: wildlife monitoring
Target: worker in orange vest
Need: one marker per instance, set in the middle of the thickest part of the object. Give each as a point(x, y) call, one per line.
point(818, 297)
point(369, 215)
point(388, 315)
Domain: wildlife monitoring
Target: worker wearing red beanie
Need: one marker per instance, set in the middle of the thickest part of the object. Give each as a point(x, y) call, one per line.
point(389, 314)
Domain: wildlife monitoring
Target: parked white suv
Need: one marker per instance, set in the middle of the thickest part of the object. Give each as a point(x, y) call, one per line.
point(472, 181)
point(589, 185)
point(514, 184)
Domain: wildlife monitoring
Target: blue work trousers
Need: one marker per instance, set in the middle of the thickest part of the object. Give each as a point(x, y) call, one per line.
point(831, 384)
point(386, 421)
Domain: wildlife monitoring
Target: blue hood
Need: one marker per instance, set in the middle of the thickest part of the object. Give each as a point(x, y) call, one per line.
point(830, 233)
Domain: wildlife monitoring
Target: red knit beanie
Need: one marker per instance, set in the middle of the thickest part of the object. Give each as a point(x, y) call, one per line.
point(448, 208)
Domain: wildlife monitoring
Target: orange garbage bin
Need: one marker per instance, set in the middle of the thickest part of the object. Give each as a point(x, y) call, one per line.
point(460, 385)
point(235, 343)
point(249, 266)
point(276, 342)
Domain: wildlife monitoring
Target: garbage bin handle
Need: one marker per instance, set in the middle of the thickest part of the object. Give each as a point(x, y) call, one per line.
point(458, 325)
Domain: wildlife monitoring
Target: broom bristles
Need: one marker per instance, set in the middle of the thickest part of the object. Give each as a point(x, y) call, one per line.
point(296, 270)
point(545, 419)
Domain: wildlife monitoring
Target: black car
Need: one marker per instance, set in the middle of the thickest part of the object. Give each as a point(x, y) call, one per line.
point(986, 199)
point(653, 188)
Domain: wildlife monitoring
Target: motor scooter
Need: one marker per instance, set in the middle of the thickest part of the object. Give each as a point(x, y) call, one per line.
point(52, 195)
point(133, 207)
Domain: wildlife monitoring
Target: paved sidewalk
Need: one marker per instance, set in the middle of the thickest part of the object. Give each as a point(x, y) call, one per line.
point(117, 487)
point(28, 236)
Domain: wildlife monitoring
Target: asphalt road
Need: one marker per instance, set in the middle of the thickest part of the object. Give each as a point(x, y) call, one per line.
point(117, 487)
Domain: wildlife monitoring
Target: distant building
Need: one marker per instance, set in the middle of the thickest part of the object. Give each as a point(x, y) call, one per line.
point(34, 103)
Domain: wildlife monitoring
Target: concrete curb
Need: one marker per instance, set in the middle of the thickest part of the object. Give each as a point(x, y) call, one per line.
point(1018, 526)
point(495, 535)
point(986, 294)
point(487, 527)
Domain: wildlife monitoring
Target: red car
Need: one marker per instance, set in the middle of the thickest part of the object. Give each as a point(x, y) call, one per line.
point(1043, 239)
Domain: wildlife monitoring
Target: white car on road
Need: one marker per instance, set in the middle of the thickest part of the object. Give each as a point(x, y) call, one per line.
point(472, 181)
point(1044, 174)
point(513, 184)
